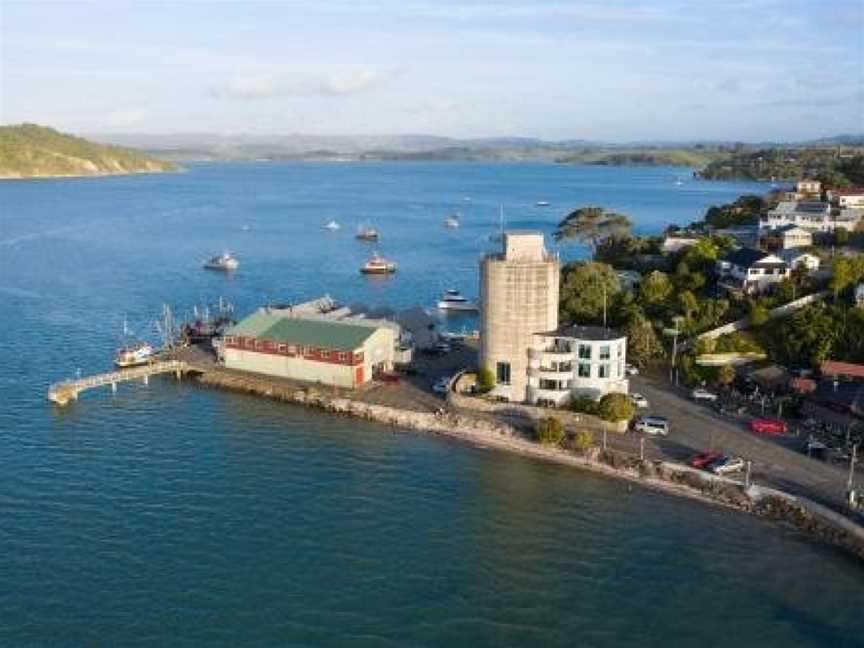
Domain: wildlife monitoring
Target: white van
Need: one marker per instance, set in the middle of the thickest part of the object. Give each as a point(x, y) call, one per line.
point(654, 425)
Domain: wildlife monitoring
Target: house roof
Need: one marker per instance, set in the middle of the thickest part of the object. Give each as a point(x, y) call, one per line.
point(834, 368)
point(745, 257)
point(791, 227)
point(588, 333)
point(794, 254)
point(851, 191)
point(306, 332)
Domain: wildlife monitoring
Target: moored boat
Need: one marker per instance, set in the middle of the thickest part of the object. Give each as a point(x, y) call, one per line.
point(453, 300)
point(542, 203)
point(367, 233)
point(224, 262)
point(331, 225)
point(133, 355)
point(452, 221)
point(378, 265)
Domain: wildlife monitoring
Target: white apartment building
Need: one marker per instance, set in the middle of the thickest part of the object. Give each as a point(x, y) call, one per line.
point(852, 198)
point(576, 361)
point(518, 297)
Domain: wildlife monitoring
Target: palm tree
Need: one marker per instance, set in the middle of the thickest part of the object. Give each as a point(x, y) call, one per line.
point(592, 225)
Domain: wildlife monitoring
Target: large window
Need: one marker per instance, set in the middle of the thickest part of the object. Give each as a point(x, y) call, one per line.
point(584, 351)
point(605, 353)
point(584, 370)
point(603, 371)
point(502, 373)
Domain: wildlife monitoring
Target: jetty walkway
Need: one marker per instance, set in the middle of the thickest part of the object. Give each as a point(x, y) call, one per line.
point(63, 392)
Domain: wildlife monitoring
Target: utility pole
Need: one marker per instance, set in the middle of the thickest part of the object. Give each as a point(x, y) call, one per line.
point(747, 474)
point(851, 481)
point(641, 448)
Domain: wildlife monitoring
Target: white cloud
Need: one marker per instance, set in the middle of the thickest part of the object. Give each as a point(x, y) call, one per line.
point(255, 87)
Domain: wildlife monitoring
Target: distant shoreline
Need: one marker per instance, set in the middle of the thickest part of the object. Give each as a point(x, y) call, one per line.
point(105, 174)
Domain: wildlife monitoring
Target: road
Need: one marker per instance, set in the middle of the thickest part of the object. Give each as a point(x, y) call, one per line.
point(776, 461)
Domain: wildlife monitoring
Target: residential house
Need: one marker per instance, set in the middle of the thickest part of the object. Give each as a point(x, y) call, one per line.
point(795, 258)
point(852, 198)
point(749, 270)
point(814, 216)
point(675, 243)
point(792, 236)
point(809, 187)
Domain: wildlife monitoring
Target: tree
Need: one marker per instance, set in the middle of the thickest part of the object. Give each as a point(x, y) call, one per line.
point(655, 288)
point(592, 225)
point(758, 314)
point(615, 407)
point(549, 431)
point(585, 287)
point(845, 272)
point(485, 380)
point(726, 375)
point(643, 345)
point(688, 303)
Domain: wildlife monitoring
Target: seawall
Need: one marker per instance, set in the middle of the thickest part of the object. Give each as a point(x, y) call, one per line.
point(809, 517)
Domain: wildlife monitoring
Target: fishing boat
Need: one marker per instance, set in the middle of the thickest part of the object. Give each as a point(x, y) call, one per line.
point(224, 262)
point(452, 221)
point(452, 300)
point(132, 353)
point(331, 225)
point(378, 265)
point(367, 233)
point(542, 203)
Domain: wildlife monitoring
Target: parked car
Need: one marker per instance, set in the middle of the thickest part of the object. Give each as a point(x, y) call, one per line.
point(442, 385)
point(768, 426)
point(639, 400)
point(705, 459)
point(631, 370)
point(653, 425)
point(726, 465)
point(703, 394)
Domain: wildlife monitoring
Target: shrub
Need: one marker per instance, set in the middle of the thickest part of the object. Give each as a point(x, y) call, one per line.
point(485, 380)
point(583, 405)
point(615, 407)
point(550, 431)
point(582, 441)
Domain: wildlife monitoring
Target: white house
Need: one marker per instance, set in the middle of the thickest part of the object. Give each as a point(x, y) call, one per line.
point(792, 236)
point(676, 243)
point(852, 198)
point(576, 360)
point(809, 215)
point(751, 271)
point(809, 187)
point(795, 258)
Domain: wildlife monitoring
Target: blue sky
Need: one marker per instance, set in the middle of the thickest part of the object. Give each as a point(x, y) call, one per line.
point(614, 70)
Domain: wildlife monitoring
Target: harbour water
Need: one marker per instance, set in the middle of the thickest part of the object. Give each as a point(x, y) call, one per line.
point(173, 515)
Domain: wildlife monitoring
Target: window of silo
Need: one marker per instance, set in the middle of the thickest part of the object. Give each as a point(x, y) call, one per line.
point(502, 373)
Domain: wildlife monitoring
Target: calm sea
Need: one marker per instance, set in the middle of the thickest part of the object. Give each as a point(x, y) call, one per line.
point(173, 515)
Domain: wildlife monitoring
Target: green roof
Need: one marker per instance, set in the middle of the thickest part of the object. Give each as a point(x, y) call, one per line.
point(254, 325)
point(314, 333)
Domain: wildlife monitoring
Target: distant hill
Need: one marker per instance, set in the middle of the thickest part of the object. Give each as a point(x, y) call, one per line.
point(835, 166)
point(32, 151)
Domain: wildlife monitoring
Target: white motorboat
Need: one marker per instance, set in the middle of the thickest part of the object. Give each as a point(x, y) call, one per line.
point(224, 262)
point(453, 300)
point(452, 221)
point(133, 355)
point(332, 225)
point(378, 265)
point(542, 203)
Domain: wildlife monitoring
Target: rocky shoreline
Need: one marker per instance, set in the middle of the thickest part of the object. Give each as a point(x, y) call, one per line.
point(808, 517)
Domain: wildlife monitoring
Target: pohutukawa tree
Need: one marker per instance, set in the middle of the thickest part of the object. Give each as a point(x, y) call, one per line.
point(592, 225)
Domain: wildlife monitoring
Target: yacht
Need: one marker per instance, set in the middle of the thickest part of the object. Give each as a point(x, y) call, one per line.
point(378, 265)
point(331, 225)
point(367, 234)
point(133, 355)
point(224, 262)
point(542, 203)
point(452, 221)
point(454, 301)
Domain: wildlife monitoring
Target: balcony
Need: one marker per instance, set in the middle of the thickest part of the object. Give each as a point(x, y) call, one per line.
point(564, 372)
point(557, 396)
point(552, 354)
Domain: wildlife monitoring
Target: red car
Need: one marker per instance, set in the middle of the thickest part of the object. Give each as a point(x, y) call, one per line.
point(768, 426)
point(705, 459)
